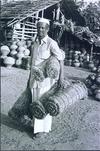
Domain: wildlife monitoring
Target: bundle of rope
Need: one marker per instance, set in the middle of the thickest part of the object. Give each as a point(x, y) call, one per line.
point(64, 97)
point(48, 68)
point(52, 67)
point(37, 74)
point(37, 107)
point(21, 106)
point(37, 110)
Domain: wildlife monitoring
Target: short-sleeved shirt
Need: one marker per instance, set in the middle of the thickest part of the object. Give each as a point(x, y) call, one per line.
point(47, 47)
point(43, 51)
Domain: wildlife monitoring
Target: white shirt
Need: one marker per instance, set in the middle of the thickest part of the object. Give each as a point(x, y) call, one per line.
point(47, 47)
point(43, 51)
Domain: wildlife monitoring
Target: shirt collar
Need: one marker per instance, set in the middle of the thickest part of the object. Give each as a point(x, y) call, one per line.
point(44, 40)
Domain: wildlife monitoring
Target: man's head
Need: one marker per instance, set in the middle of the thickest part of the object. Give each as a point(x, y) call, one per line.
point(42, 28)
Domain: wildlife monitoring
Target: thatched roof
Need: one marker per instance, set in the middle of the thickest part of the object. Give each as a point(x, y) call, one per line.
point(24, 8)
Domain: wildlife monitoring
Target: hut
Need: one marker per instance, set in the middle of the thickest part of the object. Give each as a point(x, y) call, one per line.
point(19, 18)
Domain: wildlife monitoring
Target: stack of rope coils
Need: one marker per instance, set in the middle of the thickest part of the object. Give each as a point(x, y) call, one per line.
point(60, 99)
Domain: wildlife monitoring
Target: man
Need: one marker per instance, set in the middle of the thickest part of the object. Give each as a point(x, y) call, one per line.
point(41, 49)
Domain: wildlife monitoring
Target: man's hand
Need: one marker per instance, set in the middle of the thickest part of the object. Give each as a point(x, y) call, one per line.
point(37, 74)
point(60, 81)
point(61, 74)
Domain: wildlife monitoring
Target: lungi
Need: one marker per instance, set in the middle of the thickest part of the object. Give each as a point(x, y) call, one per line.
point(42, 125)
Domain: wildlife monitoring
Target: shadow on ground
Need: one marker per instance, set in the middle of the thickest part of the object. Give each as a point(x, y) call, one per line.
point(7, 121)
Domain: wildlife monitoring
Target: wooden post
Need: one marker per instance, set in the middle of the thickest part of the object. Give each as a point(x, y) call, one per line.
point(54, 14)
point(42, 13)
point(58, 12)
point(37, 15)
point(5, 32)
point(91, 55)
point(32, 20)
point(23, 30)
point(91, 52)
point(13, 32)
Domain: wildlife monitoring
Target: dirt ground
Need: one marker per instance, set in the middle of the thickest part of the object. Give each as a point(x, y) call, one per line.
point(78, 128)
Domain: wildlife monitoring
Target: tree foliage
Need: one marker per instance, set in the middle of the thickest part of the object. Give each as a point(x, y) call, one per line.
point(71, 11)
point(91, 13)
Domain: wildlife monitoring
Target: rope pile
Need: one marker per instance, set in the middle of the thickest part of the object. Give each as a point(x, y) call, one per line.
point(54, 102)
point(63, 98)
point(21, 106)
point(48, 68)
point(37, 74)
point(52, 67)
point(37, 110)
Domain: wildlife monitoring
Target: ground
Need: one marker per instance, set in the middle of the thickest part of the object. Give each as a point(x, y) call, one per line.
point(77, 128)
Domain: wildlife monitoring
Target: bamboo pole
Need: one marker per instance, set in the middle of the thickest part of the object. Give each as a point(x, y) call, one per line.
point(91, 55)
point(23, 30)
point(12, 22)
point(26, 29)
point(96, 53)
point(22, 35)
point(31, 23)
point(26, 32)
point(13, 32)
point(37, 17)
point(42, 13)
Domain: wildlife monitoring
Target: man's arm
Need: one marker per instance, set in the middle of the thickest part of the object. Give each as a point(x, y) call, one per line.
point(60, 55)
point(28, 82)
point(61, 74)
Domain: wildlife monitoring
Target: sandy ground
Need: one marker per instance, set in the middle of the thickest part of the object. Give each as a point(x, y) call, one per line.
point(78, 128)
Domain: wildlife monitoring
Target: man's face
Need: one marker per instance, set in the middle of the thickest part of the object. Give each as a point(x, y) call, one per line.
point(42, 29)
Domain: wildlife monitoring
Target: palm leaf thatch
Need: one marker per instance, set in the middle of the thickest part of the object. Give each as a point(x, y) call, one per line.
point(23, 9)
